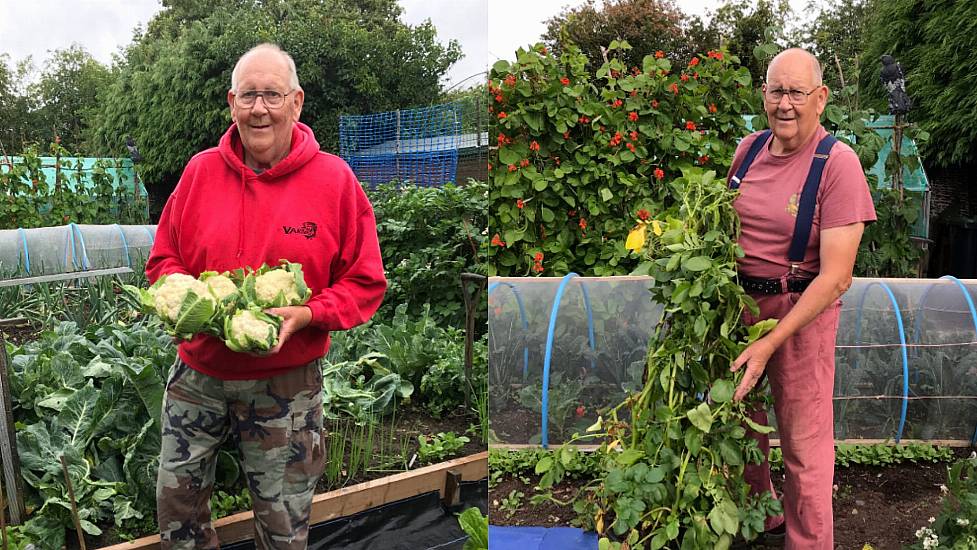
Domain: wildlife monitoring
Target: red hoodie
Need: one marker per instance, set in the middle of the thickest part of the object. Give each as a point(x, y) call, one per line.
point(308, 208)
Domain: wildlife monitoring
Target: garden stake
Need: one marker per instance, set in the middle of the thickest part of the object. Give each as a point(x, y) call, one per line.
point(74, 506)
point(469, 280)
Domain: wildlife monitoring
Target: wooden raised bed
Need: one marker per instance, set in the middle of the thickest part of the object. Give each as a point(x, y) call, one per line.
point(441, 477)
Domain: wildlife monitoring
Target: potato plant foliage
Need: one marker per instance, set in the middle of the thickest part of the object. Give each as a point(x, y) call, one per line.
point(673, 453)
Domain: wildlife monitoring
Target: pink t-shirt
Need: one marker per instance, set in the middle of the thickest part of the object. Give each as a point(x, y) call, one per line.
point(770, 195)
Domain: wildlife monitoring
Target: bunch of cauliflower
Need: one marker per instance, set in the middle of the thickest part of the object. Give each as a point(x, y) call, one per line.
point(227, 305)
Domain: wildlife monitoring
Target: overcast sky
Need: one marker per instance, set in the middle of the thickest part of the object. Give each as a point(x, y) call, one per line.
point(35, 27)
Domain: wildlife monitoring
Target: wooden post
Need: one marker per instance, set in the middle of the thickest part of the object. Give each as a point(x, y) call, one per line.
point(469, 280)
point(399, 178)
point(8, 439)
point(897, 149)
point(452, 488)
point(3, 519)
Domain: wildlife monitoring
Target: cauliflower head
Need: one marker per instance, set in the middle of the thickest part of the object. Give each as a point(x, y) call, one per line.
point(251, 330)
point(222, 286)
point(267, 286)
point(169, 297)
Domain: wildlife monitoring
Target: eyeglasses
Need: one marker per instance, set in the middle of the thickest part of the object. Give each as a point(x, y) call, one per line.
point(272, 99)
point(795, 97)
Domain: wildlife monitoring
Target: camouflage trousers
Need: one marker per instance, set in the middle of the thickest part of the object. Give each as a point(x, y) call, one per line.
point(277, 423)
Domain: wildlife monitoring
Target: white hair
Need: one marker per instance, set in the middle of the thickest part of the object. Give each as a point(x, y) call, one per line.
point(815, 65)
point(293, 77)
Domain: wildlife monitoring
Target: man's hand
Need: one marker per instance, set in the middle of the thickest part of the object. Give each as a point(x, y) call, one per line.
point(755, 357)
point(294, 319)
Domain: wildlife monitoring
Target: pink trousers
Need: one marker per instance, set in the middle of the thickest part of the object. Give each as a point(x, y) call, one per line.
point(801, 374)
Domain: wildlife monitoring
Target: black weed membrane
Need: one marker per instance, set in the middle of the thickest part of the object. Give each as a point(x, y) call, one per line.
point(417, 523)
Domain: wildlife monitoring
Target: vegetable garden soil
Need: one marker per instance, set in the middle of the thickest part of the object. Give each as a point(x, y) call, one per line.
point(878, 505)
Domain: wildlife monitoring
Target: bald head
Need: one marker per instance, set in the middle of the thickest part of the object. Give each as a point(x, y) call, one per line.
point(797, 57)
point(266, 50)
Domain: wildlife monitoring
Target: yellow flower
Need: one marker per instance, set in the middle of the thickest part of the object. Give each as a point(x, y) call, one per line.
point(636, 238)
point(656, 227)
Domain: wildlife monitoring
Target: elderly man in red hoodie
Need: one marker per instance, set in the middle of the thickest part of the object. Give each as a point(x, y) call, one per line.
point(265, 192)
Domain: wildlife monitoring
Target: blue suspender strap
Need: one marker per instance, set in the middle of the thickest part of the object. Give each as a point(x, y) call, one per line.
point(755, 147)
point(809, 196)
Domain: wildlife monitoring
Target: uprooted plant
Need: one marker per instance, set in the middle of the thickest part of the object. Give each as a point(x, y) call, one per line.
point(673, 453)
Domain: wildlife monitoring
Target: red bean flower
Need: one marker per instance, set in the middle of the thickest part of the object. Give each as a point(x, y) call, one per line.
point(524, 163)
point(684, 77)
point(534, 145)
point(510, 80)
point(520, 204)
point(538, 257)
point(712, 108)
point(512, 168)
point(583, 223)
point(502, 115)
point(499, 98)
point(643, 214)
point(689, 125)
point(633, 135)
point(497, 241)
point(659, 174)
point(565, 81)
point(617, 103)
point(694, 62)
point(659, 54)
point(633, 116)
point(674, 88)
point(654, 103)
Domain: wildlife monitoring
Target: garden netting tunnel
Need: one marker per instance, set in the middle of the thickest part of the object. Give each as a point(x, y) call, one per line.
point(72, 248)
point(562, 349)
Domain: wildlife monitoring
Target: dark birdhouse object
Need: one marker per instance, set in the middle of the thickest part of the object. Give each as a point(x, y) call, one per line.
point(894, 82)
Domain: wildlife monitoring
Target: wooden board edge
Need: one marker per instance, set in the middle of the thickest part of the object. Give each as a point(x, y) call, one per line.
point(346, 501)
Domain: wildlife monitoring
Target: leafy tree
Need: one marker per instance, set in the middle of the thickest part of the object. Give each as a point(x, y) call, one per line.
point(66, 96)
point(934, 42)
point(352, 56)
point(742, 25)
point(835, 38)
point(16, 124)
point(648, 25)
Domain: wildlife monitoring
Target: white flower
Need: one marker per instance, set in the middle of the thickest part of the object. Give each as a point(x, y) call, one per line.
point(944, 490)
point(931, 520)
point(923, 532)
point(963, 522)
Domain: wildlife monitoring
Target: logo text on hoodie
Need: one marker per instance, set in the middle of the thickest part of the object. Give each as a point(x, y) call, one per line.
point(307, 230)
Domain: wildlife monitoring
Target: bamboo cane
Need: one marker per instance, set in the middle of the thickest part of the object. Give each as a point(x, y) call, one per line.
point(74, 506)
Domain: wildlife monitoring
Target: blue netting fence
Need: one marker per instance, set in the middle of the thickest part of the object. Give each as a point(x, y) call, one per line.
point(416, 145)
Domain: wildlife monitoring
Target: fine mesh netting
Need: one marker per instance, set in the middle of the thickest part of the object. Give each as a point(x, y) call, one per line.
point(71, 248)
point(416, 145)
point(905, 368)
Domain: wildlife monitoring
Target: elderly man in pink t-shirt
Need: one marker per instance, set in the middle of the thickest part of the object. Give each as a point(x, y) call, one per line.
point(798, 279)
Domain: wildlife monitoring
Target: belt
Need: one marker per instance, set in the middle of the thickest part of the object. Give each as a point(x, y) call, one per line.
point(772, 286)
